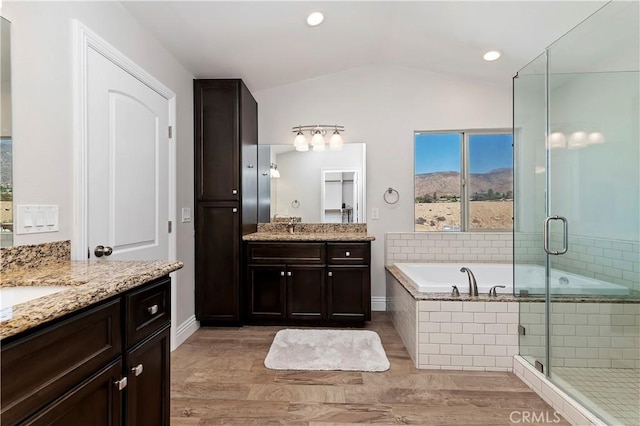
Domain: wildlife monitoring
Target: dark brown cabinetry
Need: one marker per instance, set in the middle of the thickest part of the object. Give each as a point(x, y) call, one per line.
point(308, 283)
point(78, 370)
point(226, 193)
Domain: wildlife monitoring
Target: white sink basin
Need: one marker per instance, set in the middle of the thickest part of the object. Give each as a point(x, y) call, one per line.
point(10, 296)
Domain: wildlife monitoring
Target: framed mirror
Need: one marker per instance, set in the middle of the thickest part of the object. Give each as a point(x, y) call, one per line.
point(6, 140)
point(314, 187)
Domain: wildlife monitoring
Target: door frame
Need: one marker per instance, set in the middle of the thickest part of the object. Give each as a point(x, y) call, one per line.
point(83, 40)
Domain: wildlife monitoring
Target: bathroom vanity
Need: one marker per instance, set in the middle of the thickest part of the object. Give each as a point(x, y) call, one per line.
point(319, 279)
point(96, 353)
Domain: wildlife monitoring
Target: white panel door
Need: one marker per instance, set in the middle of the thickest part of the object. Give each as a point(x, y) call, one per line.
point(127, 164)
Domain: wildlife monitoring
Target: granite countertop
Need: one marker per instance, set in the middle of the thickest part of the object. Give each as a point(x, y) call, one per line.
point(88, 281)
point(309, 236)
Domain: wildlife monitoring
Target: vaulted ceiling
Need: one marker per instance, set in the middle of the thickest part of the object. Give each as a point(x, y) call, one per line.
point(268, 43)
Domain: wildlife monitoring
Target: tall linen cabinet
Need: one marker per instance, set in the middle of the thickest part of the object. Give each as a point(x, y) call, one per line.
point(226, 194)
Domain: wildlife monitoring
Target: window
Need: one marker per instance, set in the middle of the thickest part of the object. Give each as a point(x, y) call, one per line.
point(464, 181)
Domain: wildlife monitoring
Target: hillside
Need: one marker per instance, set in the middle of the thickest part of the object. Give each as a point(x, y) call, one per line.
point(448, 183)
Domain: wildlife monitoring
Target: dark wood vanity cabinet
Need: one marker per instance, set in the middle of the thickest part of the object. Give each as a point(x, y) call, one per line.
point(105, 365)
point(308, 283)
point(226, 193)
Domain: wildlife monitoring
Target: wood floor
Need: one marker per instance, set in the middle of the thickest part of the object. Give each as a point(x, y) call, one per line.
point(218, 378)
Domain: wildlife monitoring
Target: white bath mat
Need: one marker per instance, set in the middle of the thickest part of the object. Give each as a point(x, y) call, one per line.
point(312, 349)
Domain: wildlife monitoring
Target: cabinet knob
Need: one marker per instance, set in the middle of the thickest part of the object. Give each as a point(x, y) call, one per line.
point(121, 384)
point(250, 166)
point(347, 254)
point(234, 192)
point(288, 274)
point(137, 370)
point(282, 273)
point(330, 273)
point(235, 210)
point(265, 173)
point(153, 309)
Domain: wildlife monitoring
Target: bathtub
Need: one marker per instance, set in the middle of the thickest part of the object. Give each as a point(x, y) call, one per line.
point(439, 277)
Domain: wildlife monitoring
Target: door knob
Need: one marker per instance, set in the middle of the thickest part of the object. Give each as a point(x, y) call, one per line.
point(102, 251)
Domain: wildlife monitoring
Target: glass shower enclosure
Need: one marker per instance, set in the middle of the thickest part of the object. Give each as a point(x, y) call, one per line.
point(577, 212)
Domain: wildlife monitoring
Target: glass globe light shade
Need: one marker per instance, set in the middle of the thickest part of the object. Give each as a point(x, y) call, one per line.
point(336, 142)
point(317, 139)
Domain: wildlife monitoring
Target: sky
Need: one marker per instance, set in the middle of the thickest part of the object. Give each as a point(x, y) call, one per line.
point(440, 152)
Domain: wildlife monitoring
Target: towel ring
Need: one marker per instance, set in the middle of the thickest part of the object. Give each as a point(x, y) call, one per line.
point(295, 204)
point(389, 194)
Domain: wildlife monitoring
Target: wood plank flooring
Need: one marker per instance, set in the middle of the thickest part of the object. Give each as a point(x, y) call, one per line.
point(219, 378)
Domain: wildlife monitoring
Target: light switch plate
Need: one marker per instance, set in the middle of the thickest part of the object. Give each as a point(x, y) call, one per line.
point(375, 213)
point(186, 214)
point(34, 219)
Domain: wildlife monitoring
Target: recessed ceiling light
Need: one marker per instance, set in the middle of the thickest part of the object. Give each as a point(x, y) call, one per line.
point(315, 18)
point(492, 55)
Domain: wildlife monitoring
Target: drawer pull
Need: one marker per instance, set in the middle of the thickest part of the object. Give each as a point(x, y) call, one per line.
point(347, 254)
point(288, 274)
point(153, 309)
point(282, 273)
point(330, 274)
point(234, 192)
point(137, 370)
point(121, 384)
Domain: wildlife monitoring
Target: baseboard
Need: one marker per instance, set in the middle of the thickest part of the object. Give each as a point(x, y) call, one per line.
point(378, 303)
point(185, 330)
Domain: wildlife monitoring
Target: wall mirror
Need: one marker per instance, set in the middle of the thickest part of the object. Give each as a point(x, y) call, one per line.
point(6, 141)
point(316, 187)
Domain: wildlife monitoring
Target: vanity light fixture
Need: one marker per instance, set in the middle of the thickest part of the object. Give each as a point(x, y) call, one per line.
point(492, 55)
point(318, 133)
point(273, 171)
point(315, 18)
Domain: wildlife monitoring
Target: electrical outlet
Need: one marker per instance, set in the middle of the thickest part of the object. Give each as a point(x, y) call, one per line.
point(375, 213)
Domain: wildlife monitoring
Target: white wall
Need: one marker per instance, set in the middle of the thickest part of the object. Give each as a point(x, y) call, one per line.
point(43, 129)
point(382, 106)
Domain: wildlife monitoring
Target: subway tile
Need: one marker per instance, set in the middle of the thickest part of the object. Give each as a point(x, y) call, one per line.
point(451, 349)
point(464, 317)
point(464, 339)
point(462, 360)
point(406, 250)
point(510, 340)
point(486, 318)
point(473, 350)
point(429, 348)
point(587, 308)
point(452, 328)
point(484, 339)
point(451, 306)
point(484, 361)
point(439, 338)
point(623, 319)
point(442, 360)
point(440, 316)
point(495, 350)
point(587, 330)
point(496, 328)
point(507, 318)
point(429, 306)
point(473, 328)
point(473, 306)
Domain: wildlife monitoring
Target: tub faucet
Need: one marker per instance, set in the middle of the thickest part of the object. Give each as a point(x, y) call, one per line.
point(473, 286)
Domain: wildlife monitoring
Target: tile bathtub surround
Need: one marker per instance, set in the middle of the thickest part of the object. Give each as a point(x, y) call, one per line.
point(455, 335)
point(600, 335)
point(33, 256)
point(448, 247)
point(332, 228)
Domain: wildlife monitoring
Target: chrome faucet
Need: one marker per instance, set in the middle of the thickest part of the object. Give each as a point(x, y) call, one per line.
point(291, 226)
point(473, 286)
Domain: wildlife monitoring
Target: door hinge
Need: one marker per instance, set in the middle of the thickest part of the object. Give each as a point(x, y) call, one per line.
point(170, 132)
point(169, 226)
point(539, 366)
point(521, 330)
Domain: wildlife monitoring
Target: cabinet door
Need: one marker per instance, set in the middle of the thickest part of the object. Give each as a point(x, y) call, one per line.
point(96, 402)
point(249, 161)
point(217, 143)
point(266, 292)
point(148, 367)
point(218, 262)
point(349, 293)
point(305, 292)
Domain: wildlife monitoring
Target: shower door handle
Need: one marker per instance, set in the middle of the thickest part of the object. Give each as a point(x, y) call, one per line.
point(565, 235)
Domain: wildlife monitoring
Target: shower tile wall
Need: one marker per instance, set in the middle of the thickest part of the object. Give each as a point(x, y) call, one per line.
point(448, 247)
point(612, 261)
point(605, 335)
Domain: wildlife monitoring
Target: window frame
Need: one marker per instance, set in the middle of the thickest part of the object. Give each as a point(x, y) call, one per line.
point(464, 174)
